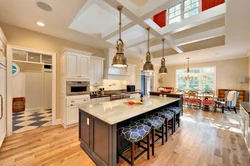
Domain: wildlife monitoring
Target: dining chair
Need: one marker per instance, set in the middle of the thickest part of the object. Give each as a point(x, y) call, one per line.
point(208, 100)
point(193, 99)
point(230, 101)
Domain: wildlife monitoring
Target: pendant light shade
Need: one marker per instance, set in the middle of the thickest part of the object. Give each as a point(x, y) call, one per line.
point(119, 59)
point(163, 69)
point(148, 66)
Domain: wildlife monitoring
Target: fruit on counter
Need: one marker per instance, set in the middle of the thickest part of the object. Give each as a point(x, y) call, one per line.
point(133, 102)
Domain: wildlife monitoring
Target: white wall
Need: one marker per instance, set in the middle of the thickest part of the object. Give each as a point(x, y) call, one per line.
point(227, 73)
point(33, 90)
point(18, 85)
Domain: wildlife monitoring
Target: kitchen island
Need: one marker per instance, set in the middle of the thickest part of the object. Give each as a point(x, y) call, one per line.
point(98, 124)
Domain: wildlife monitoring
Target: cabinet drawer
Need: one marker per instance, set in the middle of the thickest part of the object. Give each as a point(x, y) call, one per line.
point(71, 102)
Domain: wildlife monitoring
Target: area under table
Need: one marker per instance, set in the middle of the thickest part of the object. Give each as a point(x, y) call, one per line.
point(98, 125)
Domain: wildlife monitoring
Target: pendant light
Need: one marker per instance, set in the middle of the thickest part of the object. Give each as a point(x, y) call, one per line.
point(188, 75)
point(163, 69)
point(119, 59)
point(148, 66)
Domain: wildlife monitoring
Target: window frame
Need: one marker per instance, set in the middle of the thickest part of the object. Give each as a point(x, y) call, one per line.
point(182, 10)
point(200, 75)
point(199, 8)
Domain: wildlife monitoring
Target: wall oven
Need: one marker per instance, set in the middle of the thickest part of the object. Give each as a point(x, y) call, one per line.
point(77, 88)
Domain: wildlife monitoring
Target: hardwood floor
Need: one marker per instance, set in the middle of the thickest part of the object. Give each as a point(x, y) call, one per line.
point(205, 138)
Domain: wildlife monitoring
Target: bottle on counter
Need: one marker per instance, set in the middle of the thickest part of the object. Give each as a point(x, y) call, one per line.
point(141, 97)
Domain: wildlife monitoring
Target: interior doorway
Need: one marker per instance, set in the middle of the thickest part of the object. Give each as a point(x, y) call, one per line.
point(31, 100)
point(147, 82)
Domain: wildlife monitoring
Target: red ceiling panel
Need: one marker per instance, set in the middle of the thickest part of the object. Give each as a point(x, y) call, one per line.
point(160, 18)
point(207, 4)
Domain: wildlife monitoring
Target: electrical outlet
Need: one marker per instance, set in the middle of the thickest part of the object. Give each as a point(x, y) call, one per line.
point(87, 121)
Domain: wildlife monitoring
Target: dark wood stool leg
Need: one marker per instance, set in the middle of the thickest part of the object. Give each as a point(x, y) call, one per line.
point(117, 146)
point(166, 128)
point(179, 120)
point(235, 110)
point(132, 153)
point(173, 125)
point(148, 147)
point(162, 134)
point(153, 142)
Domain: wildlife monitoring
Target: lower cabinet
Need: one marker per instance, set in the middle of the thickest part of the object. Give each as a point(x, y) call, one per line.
point(98, 139)
point(72, 115)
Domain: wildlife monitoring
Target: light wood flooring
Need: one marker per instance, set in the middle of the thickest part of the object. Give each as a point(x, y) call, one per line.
point(204, 138)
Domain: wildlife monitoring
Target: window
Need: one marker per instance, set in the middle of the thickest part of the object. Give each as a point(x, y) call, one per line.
point(185, 9)
point(174, 14)
point(191, 7)
point(204, 79)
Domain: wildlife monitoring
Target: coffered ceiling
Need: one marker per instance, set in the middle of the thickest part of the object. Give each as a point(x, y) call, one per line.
point(95, 23)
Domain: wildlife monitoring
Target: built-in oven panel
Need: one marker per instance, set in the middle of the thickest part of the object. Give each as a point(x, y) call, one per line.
point(77, 88)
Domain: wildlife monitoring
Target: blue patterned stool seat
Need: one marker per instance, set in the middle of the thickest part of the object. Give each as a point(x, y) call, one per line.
point(153, 121)
point(177, 110)
point(166, 114)
point(134, 132)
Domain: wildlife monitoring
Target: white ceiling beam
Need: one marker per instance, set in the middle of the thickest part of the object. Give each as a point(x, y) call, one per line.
point(141, 22)
point(112, 31)
point(196, 20)
point(213, 33)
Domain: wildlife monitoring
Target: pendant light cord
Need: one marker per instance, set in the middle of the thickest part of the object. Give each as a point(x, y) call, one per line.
point(163, 48)
point(120, 22)
point(148, 38)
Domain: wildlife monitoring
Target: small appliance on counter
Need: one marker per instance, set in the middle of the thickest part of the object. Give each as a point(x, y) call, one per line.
point(130, 88)
point(102, 91)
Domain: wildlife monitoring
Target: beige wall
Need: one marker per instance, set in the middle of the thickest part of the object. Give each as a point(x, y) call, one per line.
point(26, 38)
point(227, 73)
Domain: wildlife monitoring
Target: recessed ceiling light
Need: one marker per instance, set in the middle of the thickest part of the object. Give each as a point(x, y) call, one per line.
point(44, 6)
point(40, 23)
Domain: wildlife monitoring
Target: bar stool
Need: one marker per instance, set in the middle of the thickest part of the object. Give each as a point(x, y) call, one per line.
point(169, 117)
point(176, 111)
point(134, 133)
point(156, 123)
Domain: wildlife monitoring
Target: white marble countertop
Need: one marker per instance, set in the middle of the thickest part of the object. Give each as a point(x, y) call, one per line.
point(113, 112)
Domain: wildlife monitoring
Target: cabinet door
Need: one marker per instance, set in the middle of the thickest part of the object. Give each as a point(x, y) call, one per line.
point(83, 66)
point(99, 71)
point(92, 72)
point(72, 115)
point(72, 67)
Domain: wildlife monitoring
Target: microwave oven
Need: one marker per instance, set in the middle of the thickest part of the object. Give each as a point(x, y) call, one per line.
point(77, 88)
point(130, 88)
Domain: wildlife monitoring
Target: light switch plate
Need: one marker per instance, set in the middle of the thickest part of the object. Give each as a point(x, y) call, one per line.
point(87, 121)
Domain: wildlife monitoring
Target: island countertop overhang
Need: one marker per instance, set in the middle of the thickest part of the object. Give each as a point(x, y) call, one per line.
point(113, 112)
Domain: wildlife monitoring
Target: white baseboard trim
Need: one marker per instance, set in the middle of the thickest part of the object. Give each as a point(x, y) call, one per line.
point(57, 122)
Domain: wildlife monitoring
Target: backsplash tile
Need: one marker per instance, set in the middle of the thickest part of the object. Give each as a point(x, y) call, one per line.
point(111, 85)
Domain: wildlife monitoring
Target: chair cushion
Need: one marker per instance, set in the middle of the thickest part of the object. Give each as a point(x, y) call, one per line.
point(134, 133)
point(176, 110)
point(166, 114)
point(153, 121)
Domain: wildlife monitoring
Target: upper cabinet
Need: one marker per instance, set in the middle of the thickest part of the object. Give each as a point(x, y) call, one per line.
point(75, 65)
point(96, 71)
point(131, 74)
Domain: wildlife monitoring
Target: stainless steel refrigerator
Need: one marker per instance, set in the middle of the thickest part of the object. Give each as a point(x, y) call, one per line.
point(3, 113)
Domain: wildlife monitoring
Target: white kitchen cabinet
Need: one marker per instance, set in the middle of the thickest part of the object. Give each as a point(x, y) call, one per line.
point(72, 115)
point(131, 74)
point(96, 71)
point(72, 66)
point(75, 65)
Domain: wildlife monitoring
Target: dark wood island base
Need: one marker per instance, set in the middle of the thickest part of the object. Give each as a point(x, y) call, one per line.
point(98, 126)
